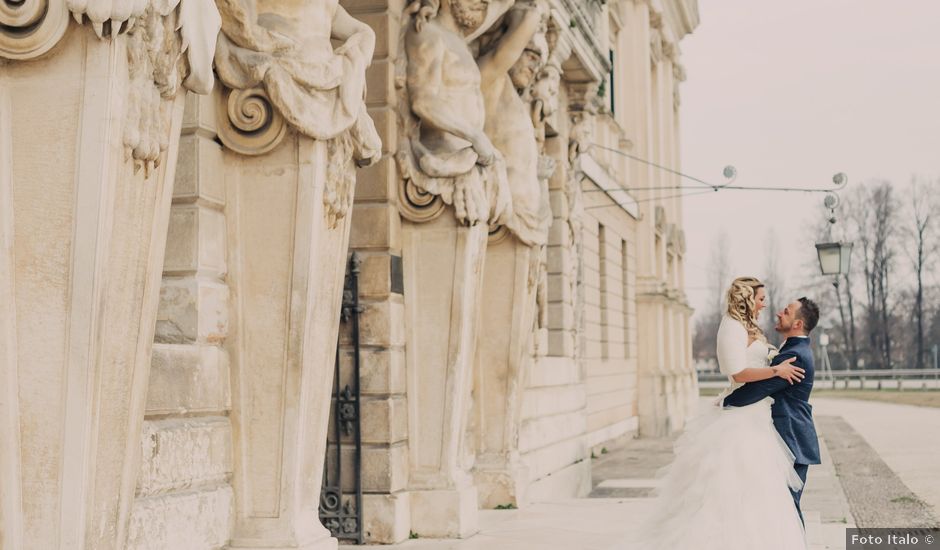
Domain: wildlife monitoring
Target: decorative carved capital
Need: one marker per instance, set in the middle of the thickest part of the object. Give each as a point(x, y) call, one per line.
point(498, 234)
point(275, 80)
point(660, 219)
point(656, 16)
point(169, 46)
point(416, 204)
point(678, 71)
point(248, 122)
point(678, 76)
point(670, 49)
point(672, 238)
point(656, 46)
point(582, 96)
point(30, 28)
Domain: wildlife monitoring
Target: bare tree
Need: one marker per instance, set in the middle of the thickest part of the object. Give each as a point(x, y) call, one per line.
point(888, 309)
point(719, 268)
point(775, 281)
point(719, 277)
point(876, 220)
point(923, 210)
point(845, 296)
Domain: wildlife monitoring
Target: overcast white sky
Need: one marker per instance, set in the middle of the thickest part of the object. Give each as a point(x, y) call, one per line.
point(791, 92)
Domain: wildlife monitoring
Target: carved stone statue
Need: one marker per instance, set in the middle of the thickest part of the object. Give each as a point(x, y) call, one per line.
point(446, 152)
point(279, 53)
point(508, 66)
point(169, 46)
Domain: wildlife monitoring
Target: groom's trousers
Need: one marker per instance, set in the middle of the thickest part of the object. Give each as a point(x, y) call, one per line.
point(801, 470)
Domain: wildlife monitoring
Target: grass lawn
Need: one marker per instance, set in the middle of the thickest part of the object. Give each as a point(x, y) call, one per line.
point(921, 398)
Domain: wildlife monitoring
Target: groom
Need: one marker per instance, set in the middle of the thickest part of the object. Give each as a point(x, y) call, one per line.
point(792, 414)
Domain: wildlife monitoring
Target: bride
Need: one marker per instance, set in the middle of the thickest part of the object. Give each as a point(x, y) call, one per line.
point(728, 487)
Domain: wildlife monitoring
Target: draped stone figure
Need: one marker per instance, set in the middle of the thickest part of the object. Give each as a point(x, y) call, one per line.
point(293, 119)
point(446, 152)
point(284, 47)
point(542, 96)
point(508, 66)
point(510, 58)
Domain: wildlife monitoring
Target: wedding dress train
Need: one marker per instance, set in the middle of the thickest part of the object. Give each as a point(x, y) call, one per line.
point(727, 488)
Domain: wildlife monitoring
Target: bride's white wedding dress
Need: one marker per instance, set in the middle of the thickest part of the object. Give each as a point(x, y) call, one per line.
point(727, 488)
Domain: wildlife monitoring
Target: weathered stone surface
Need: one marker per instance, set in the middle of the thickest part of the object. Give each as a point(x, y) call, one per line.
point(88, 148)
point(377, 227)
point(553, 371)
point(195, 241)
point(180, 453)
point(375, 275)
point(387, 517)
point(384, 420)
point(385, 468)
point(539, 402)
point(382, 324)
point(544, 430)
point(444, 514)
point(199, 173)
point(199, 116)
point(192, 310)
point(381, 371)
point(191, 520)
point(187, 379)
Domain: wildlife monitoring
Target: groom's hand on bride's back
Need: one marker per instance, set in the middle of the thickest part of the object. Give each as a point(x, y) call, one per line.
point(752, 392)
point(788, 371)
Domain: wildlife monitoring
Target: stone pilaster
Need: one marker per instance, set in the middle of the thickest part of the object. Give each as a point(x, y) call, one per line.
point(294, 125)
point(286, 275)
point(443, 281)
point(89, 132)
point(508, 312)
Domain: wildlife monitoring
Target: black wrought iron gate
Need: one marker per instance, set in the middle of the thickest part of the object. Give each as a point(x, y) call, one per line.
point(341, 493)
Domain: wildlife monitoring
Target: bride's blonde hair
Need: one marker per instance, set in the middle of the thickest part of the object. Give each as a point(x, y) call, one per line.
point(742, 304)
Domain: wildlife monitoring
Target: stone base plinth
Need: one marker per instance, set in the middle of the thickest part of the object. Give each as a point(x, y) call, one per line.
point(445, 514)
point(323, 542)
point(386, 518)
point(501, 485)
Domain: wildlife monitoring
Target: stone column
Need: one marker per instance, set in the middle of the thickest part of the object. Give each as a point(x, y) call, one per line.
point(653, 377)
point(508, 312)
point(453, 184)
point(286, 265)
point(89, 131)
point(443, 261)
point(294, 126)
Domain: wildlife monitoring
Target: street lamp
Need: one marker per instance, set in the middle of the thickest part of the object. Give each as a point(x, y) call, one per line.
point(834, 258)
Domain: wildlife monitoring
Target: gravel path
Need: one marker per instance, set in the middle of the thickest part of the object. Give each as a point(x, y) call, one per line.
point(877, 497)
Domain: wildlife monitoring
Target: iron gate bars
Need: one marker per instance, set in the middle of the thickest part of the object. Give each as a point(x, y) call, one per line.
point(341, 500)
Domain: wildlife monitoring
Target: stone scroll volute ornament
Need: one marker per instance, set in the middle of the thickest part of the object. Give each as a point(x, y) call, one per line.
point(445, 156)
point(169, 46)
point(280, 70)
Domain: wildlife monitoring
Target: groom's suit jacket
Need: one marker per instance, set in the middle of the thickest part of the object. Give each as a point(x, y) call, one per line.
point(792, 414)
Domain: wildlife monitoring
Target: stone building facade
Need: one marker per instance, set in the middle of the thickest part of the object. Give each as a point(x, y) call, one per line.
point(180, 186)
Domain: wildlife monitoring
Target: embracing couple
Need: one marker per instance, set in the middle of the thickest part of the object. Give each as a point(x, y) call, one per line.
point(739, 470)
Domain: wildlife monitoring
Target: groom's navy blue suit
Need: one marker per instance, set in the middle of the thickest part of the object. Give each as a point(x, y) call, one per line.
point(792, 414)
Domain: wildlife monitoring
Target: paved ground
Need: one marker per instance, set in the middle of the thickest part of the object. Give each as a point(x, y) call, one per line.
point(907, 397)
point(904, 439)
point(877, 496)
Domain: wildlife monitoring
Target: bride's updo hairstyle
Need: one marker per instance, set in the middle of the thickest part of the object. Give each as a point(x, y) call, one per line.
point(742, 304)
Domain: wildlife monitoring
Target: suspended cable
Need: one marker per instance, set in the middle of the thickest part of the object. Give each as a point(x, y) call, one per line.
point(730, 172)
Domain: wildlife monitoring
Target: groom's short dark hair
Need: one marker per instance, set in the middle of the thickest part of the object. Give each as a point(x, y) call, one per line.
point(808, 313)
